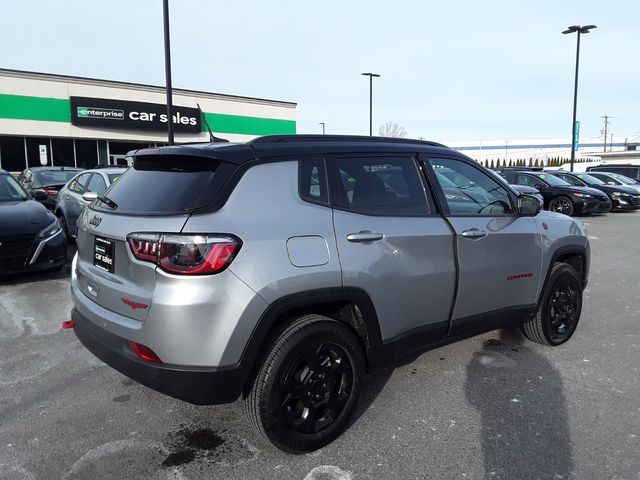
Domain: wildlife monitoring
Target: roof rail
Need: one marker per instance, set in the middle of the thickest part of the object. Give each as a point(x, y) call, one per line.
point(338, 138)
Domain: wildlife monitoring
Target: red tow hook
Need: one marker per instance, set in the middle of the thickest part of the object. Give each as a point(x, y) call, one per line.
point(67, 324)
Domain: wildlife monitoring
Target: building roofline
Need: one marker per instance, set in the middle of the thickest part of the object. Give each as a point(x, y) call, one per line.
point(138, 86)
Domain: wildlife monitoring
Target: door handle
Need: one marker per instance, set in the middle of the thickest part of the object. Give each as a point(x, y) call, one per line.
point(364, 236)
point(474, 233)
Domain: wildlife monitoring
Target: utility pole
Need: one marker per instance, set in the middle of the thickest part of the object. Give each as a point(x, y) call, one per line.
point(167, 70)
point(606, 125)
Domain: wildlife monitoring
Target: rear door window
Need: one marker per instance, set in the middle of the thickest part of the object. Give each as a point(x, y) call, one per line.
point(382, 186)
point(167, 185)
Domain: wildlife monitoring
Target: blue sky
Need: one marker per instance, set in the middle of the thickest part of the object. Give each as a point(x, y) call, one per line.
point(456, 70)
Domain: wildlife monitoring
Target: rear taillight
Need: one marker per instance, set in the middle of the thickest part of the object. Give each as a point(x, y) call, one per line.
point(185, 254)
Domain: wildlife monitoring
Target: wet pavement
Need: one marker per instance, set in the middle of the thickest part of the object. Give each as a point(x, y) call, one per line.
point(491, 407)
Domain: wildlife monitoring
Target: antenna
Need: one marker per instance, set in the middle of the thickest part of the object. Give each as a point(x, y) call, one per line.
point(212, 137)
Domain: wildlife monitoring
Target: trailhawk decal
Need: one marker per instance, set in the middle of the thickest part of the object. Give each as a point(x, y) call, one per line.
point(518, 276)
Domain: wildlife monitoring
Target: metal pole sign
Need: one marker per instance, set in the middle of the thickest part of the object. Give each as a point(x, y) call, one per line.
point(576, 135)
point(43, 154)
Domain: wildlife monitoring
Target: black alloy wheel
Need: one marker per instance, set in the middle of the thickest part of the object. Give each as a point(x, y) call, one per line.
point(317, 388)
point(561, 205)
point(563, 307)
point(559, 310)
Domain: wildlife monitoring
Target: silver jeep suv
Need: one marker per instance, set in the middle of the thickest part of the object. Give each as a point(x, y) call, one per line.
point(284, 269)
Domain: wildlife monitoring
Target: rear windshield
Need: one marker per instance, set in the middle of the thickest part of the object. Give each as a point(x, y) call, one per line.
point(166, 185)
point(43, 178)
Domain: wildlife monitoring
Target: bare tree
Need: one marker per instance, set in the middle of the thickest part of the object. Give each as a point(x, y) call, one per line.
point(392, 129)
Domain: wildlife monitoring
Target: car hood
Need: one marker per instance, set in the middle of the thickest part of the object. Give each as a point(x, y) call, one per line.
point(589, 190)
point(23, 217)
point(617, 188)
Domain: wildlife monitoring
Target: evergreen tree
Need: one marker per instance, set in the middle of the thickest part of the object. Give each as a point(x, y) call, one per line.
point(491, 166)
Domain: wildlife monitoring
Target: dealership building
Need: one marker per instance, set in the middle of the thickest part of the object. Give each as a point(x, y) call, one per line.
point(84, 122)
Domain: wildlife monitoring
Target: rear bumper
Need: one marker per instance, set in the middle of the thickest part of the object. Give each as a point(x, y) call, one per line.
point(196, 385)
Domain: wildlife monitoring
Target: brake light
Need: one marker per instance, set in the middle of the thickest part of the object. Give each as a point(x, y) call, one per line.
point(51, 191)
point(144, 352)
point(185, 254)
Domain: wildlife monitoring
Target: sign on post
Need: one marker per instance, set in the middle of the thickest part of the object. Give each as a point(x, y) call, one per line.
point(43, 154)
point(576, 137)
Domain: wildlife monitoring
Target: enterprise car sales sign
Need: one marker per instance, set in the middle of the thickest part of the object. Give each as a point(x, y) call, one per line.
point(125, 115)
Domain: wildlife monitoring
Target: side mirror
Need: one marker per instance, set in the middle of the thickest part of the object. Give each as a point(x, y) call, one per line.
point(540, 186)
point(528, 205)
point(40, 195)
point(89, 196)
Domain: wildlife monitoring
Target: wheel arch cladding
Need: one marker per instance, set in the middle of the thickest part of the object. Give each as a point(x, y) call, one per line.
point(350, 306)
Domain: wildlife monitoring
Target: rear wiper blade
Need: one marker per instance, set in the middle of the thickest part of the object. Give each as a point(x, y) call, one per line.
point(108, 201)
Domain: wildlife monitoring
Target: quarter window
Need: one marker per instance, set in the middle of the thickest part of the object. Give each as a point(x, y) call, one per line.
point(313, 181)
point(384, 186)
point(469, 191)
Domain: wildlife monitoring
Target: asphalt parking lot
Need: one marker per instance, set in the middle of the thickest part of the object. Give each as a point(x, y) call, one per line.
point(494, 407)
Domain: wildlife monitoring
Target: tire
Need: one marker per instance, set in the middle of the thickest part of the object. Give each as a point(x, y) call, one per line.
point(63, 223)
point(561, 204)
point(560, 306)
point(307, 388)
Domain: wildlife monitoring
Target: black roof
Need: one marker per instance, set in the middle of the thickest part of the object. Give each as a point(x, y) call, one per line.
point(282, 145)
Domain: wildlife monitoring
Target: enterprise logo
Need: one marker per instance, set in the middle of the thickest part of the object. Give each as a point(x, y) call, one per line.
point(92, 112)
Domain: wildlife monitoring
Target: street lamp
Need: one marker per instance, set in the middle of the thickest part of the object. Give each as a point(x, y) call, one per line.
point(370, 75)
point(580, 30)
point(322, 123)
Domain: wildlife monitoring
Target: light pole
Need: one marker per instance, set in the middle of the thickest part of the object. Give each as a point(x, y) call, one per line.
point(322, 123)
point(580, 30)
point(370, 75)
point(167, 70)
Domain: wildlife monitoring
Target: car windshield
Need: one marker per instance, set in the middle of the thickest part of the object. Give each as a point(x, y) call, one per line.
point(589, 180)
point(10, 190)
point(622, 179)
point(42, 178)
point(553, 180)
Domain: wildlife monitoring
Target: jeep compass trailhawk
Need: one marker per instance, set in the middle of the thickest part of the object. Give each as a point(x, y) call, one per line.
point(284, 269)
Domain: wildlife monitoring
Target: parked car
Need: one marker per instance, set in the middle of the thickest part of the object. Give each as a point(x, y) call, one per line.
point(284, 269)
point(560, 196)
point(30, 236)
point(48, 180)
point(616, 179)
point(622, 197)
point(626, 169)
point(80, 191)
